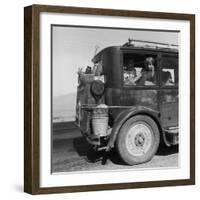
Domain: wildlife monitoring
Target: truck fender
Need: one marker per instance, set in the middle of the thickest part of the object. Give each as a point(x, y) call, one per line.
point(124, 116)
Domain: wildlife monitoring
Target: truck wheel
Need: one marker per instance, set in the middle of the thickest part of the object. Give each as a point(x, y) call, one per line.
point(138, 140)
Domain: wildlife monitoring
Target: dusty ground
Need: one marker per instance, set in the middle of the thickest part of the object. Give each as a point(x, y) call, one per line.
point(71, 152)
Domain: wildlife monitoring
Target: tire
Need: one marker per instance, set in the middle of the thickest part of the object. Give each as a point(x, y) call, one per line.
point(138, 140)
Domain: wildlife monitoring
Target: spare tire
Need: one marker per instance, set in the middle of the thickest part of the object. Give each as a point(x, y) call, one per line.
point(97, 88)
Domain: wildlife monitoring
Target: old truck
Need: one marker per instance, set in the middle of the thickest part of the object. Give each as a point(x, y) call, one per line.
point(128, 99)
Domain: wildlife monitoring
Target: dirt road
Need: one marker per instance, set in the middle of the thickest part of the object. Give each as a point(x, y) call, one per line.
point(71, 152)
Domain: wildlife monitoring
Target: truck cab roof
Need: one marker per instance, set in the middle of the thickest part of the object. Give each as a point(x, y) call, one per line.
point(139, 45)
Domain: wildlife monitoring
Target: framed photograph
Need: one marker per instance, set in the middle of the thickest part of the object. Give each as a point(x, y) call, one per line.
point(109, 99)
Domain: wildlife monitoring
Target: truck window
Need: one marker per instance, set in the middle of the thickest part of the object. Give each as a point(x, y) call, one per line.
point(169, 72)
point(139, 70)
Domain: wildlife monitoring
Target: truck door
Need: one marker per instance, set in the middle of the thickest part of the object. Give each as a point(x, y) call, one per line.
point(169, 91)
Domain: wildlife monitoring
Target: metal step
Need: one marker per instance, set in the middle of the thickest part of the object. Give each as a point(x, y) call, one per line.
point(172, 130)
point(171, 135)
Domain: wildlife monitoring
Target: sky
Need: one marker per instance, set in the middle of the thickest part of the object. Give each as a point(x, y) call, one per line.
point(74, 47)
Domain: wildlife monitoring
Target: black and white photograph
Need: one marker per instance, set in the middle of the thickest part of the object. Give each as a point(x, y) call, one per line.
point(109, 99)
point(114, 99)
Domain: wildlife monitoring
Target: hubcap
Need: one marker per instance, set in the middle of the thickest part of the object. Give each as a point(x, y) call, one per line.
point(139, 139)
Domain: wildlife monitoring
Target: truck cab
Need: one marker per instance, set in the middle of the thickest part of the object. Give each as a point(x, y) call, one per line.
point(134, 89)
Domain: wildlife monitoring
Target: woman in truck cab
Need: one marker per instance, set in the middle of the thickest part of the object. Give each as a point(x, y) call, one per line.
point(148, 76)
